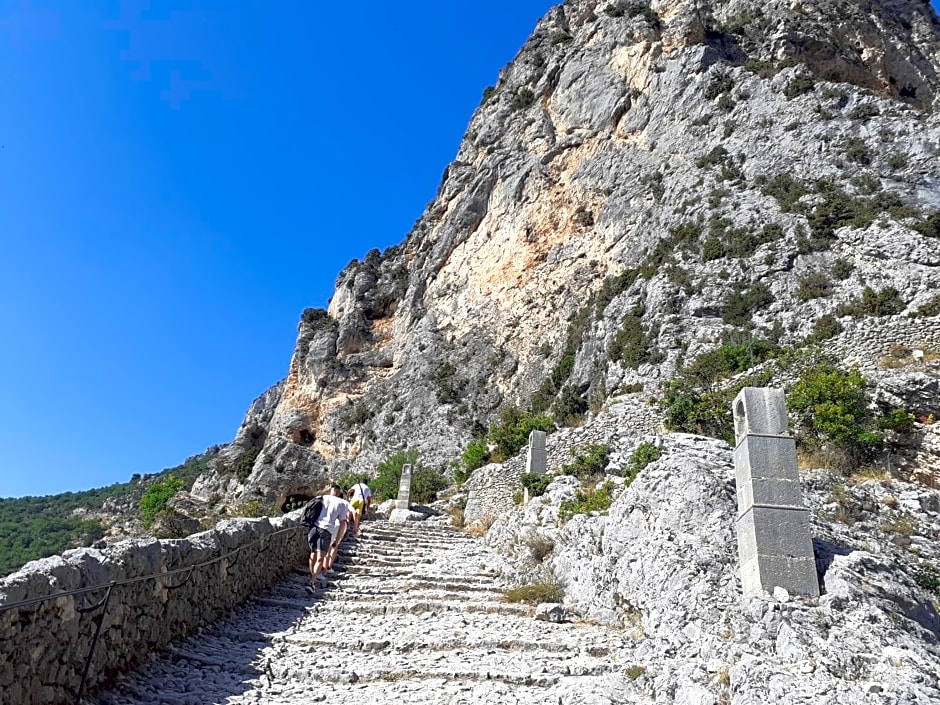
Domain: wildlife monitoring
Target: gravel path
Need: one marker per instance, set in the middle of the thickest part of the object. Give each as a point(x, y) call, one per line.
point(413, 613)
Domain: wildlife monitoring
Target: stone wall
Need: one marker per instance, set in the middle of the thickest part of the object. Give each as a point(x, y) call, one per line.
point(624, 423)
point(43, 645)
point(866, 341)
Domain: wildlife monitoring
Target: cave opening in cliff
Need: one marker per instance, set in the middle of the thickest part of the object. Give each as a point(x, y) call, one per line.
point(294, 501)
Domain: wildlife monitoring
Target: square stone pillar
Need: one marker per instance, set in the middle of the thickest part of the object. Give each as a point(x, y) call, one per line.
point(536, 460)
point(775, 545)
point(404, 488)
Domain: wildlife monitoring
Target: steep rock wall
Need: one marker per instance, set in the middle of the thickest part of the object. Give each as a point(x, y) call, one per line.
point(627, 165)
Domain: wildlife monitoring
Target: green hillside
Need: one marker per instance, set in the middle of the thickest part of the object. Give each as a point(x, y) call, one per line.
point(36, 527)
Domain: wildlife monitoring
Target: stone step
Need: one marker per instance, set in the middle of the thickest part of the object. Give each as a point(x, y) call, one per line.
point(431, 607)
point(409, 614)
point(506, 671)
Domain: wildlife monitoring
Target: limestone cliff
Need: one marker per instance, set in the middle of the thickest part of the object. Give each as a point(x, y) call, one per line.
point(680, 170)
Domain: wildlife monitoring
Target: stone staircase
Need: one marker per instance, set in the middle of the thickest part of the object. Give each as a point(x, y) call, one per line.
point(413, 613)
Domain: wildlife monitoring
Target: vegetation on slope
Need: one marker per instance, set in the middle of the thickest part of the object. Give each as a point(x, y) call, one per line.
point(37, 527)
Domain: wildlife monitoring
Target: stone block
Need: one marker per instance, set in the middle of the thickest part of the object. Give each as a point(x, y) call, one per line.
point(762, 574)
point(766, 473)
point(536, 458)
point(760, 410)
point(775, 549)
point(775, 531)
point(404, 488)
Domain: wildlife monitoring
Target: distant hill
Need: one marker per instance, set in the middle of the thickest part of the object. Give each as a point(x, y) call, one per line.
point(37, 527)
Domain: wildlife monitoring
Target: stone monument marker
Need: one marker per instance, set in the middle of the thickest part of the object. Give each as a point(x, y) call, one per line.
point(404, 488)
point(536, 460)
point(775, 546)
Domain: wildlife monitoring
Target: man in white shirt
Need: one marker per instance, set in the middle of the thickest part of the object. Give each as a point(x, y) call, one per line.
point(335, 513)
point(360, 497)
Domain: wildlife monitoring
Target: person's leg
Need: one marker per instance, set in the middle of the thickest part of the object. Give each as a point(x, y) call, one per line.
point(357, 513)
point(318, 558)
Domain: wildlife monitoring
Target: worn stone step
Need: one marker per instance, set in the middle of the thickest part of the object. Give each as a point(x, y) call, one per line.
point(391, 644)
point(434, 607)
point(411, 613)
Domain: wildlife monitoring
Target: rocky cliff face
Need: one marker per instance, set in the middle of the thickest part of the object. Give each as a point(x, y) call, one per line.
point(661, 564)
point(642, 180)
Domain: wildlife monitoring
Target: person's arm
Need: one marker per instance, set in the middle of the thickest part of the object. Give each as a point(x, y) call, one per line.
point(341, 532)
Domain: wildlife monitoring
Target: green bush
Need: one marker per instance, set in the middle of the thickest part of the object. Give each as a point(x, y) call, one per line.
point(728, 359)
point(897, 161)
point(316, 318)
point(712, 249)
point(931, 308)
point(764, 69)
point(928, 578)
point(857, 151)
point(842, 269)
point(425, 482)
point(798, 86)
point(245, 462)
point(384, 485)
point(535, 483)
point(826, 327)
point(886, 302)
point(571, 405)
point(896, 420)
point(740, 304)
point(476, 455)
point(929, 226)
point(512, 433)
point(586, 501)
point(719, 84)
point(831, 408)
point(522, 99)
point(156, 497)
point(864, 112)
point(704, 409)
point(813, 286)
point(590, 461)
point(633, 346)
point(644, 454)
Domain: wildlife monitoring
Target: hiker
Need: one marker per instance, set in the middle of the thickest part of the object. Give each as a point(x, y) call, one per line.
point(339, 530)
point(360, 497)
point(334, 513)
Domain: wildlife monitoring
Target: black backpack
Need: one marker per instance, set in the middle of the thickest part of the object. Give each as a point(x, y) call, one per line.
point(312, 512)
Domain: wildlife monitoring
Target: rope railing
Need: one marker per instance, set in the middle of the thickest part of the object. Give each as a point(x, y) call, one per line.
point(103, 603)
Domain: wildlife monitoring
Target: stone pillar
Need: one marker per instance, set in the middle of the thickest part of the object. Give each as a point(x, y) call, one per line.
point(404, 489)
point(536, 461)
point(775, 546)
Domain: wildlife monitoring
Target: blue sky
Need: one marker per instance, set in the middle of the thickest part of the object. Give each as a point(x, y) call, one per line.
point(180, 179)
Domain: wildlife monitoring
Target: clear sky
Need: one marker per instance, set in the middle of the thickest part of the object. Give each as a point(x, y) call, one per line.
point(179, 179)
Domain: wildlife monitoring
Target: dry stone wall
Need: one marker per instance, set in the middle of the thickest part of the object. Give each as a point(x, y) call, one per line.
point(867, 341)
point(44, 644)
point(625, 422)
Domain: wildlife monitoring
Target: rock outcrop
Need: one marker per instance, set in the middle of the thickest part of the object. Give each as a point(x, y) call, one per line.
point(662, 563)
point(642, 182)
